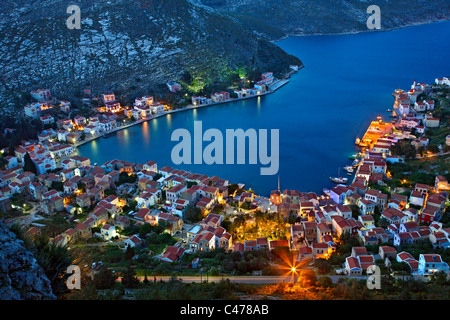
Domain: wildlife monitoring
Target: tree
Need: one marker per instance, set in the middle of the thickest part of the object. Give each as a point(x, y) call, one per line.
point(59, 186)
point(292, 217)
point(234, 78)
point(400, 267)
point(146, 281)
point(105, 279)
point(55, 260)
point(325, 282)
point(129, 279)
point(29, 164)
point(232, 188)
point(404, 148)
point(186, 77)
point(322, 265)
point(129, 253)
point(145, 229)
point(421, 151)
point(433, 148)
point(308, 278)
point(254, 75)
point(87, 292)
point(193, 214)
point(383, 223)
point(3, 163)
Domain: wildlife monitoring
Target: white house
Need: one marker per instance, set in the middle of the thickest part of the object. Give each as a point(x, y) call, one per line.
point(420, 106)
point(417, 198)
point(151, 166)
point(431, 263)
point(404, 108)
point(47, 119)
point(92, 130)
point(173, 86)
point(366, 206)
point(107, 125)
point(339, 193)
point(352, 266)
point(429, 104)
point(108, 231)
point(174, 193)
point(133, 241)
point(157, 108)
point(41, 94)
point(109, 96)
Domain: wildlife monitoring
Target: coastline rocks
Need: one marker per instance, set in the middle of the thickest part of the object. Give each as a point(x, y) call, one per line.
point(21, 278)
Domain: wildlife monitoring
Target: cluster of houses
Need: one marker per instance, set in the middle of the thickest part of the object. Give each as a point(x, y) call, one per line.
point(415, 114)
point(402, 214)
point(71, 130)
point(44, 104)
point(323, 221)
point(84, 189)
point(360, 260)
point(443, 81)
point(260, 87)
point(145, 108)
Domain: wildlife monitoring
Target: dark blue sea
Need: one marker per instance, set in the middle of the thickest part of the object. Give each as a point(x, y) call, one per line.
point(348, 81)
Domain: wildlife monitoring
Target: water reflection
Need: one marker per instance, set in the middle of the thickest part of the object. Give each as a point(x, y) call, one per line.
point(123, 137)
point(169, 120)
point(146, 132)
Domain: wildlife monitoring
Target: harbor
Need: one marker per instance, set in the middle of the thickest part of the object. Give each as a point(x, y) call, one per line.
point(377, 129)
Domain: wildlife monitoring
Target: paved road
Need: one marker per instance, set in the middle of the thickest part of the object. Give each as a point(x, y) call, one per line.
point(235, 279)
point(241, 279)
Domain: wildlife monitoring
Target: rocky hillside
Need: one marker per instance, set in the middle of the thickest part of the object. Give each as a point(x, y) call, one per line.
point(122, 44)
point(134, 46)
point(277, 19)
point(20, 275)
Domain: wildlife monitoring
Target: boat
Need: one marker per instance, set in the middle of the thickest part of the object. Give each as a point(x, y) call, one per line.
point(389, 110)
point(338, 179)
point(355, 163)
point(348, 168)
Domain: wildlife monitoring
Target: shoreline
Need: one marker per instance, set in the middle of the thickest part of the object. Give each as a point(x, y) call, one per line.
point(272, 89)
point(414, 24)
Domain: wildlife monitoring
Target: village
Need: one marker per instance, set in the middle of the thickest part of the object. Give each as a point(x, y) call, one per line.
point(100, 203)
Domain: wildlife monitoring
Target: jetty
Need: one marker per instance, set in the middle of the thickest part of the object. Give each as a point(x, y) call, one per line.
point(376, 130)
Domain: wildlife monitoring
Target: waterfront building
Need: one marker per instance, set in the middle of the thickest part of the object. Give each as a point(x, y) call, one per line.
point(431, 263)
